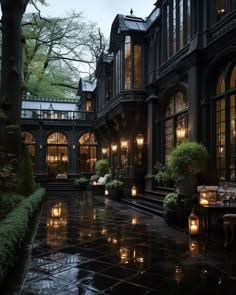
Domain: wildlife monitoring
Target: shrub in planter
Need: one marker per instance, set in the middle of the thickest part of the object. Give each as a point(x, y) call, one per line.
point(115, 188)
point(81, 182)
point(102, 167)
point(170, 205)
point(187, 161)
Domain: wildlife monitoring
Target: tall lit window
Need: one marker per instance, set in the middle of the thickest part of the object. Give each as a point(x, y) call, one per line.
point(225, 124)
point(176, 116)
point(181, 24)
point(29, 141)
point(127, 62)
point(118, 71)
point(176, 26)
point(137, 67)
point(87, 152)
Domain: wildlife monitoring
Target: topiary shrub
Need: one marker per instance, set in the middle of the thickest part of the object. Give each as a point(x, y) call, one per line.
point(188, 159)
point(28, 184)
point(102, 167)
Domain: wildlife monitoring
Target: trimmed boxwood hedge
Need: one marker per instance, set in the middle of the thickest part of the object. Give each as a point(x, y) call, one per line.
point(13, 229)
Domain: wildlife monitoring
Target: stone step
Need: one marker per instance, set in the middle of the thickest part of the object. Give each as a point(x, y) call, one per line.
point(145, 206)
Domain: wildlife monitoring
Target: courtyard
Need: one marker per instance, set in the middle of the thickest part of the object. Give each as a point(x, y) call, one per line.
point(91, 245)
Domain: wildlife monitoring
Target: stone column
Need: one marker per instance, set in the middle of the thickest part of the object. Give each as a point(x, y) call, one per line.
point(151, 101)
point(193, 103)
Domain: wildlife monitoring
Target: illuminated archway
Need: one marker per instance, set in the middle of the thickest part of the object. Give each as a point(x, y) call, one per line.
point(57, 155)
point(87, 152)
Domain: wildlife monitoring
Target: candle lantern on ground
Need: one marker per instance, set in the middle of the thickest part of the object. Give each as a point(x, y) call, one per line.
point(134, 191)
point(193, 223)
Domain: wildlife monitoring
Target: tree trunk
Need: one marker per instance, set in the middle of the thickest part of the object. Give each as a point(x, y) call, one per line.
point(11, 71)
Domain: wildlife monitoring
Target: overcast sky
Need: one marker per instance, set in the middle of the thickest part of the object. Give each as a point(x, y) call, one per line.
point(102, 12)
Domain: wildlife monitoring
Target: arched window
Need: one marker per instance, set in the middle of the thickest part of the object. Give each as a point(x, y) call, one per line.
point(57, 155)
point(225, 124)
point(87, 152)
point(175, 121)
point(29, 141)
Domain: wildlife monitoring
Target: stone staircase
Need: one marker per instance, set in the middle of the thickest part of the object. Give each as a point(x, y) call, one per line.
point(150, 201)
point(58, 185)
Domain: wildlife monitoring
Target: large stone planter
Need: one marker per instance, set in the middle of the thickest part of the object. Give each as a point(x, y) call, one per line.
point(186, 186)
point(170, 216)
point(116, 195)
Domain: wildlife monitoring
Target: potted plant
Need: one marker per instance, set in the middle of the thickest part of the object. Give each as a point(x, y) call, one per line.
point(115, 189)
point(102, 167)
point(170, 204)
point(187, 161)
point(81, 183)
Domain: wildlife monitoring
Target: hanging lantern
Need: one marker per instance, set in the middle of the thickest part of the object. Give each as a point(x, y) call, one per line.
point(181, 133)
point(114, 147)
point(104, 150)
point(124, 144)
point(140, 140)
point(133, 191)
point(193, 223)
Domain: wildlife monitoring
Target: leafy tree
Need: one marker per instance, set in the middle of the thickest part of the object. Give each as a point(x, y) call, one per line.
point(57, 51)
point(11, 67)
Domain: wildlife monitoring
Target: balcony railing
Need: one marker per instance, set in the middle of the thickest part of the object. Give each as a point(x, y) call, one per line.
point(30, 114)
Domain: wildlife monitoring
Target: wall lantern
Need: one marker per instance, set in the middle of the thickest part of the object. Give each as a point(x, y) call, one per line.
point(40, 146)
point(207, 195)
point(140, 140)
point(56, 210)
point(133, 191)
point(114, 147)
point(181, 133)
point(106, 193)
point(73, 146)
point(104, 150)
point(124, 144)
point(193, 223)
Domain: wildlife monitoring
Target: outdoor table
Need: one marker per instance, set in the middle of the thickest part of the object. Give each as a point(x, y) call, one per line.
point(207, 212)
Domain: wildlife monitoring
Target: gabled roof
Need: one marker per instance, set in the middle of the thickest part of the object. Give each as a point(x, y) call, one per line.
point(87, 85)
point(131, 23)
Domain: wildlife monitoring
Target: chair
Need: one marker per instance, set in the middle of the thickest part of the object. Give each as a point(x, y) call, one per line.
point(229, 230)
point(99, 186)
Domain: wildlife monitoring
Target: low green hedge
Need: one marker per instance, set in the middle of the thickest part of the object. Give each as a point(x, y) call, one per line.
point(14, 227)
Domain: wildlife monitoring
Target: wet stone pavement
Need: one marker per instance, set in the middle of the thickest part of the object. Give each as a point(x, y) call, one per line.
point(87, 245)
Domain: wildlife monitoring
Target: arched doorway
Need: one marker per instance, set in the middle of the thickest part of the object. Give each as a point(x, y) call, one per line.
point(87, 152)
point(57, 155)
point(29, 141)
point(224, 102)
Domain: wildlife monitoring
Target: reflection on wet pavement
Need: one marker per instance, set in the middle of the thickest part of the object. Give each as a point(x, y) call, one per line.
point(86, 246)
